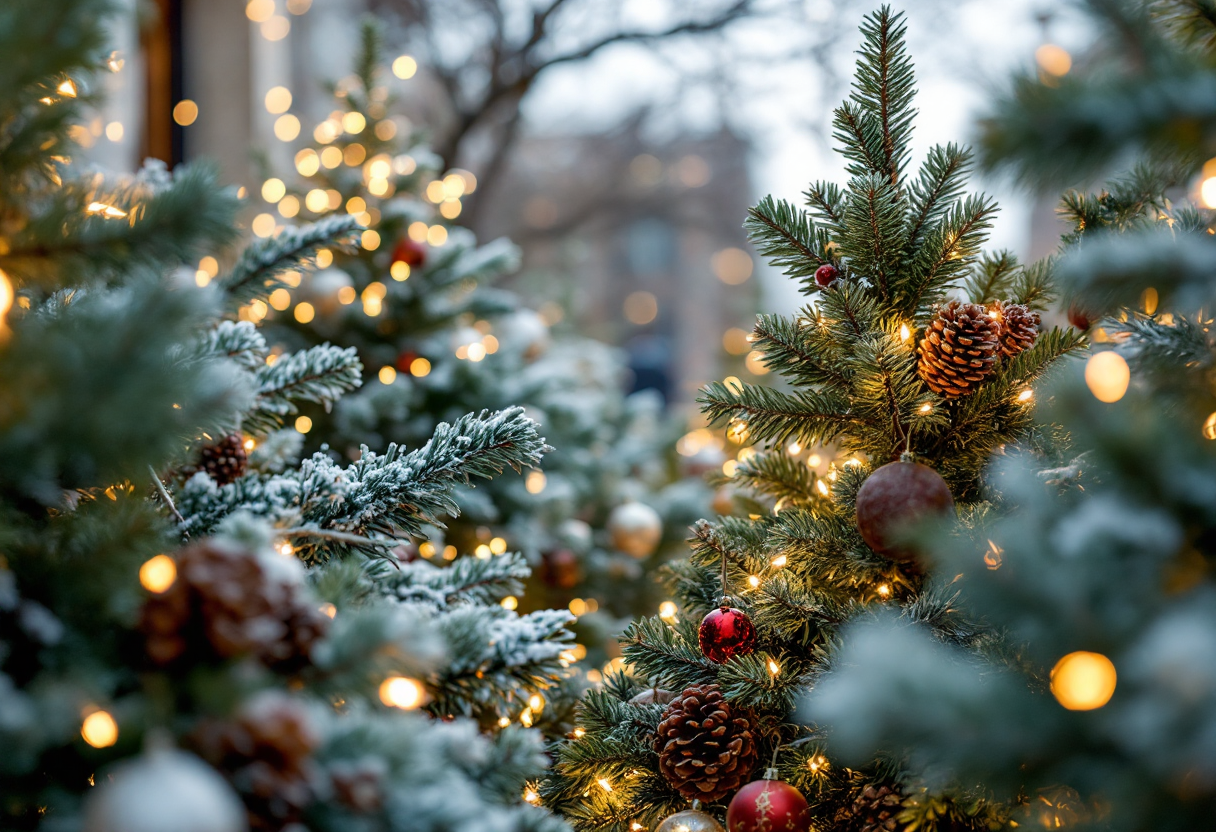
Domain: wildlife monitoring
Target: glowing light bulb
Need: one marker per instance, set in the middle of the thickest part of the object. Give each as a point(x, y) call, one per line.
point(531, 796)
point(604, 784)
point(668, 610)
point(904, 332)
point(1083, 681)
point(401, 692)
point(158, 574)
point(780, 561)
point(773, 667)
point(753, 581)
point(1108, 376)
point(884, 590)
point(99, 729)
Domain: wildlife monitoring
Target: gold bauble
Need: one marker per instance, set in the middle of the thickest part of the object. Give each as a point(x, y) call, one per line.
point(691, 820)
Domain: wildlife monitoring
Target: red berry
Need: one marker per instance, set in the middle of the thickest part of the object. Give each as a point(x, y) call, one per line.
point(1079, 318)
point(825, 274)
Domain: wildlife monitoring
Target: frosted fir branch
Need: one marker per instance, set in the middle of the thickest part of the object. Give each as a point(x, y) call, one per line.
point(238, 340)
point(321, 374)
point(468, 580)
point(382, 497)
point(165, 221)
point(257, 272)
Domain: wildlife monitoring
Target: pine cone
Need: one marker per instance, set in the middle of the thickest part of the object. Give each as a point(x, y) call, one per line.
point(706, 747)
point(873, 810)
point(1019, 328)
point(228, 602)
point(959, 349)
point(266, 752)
point(225, 460)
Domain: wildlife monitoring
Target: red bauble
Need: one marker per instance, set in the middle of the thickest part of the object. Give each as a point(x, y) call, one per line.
point(409, 252)
point(559, 568)
point(726, 632)
point(405, 359)
point(825, 274)
point(768, 805)
point(1079, 317)
point(896, 496)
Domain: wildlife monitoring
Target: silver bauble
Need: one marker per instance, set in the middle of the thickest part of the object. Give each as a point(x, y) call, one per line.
point(635, 529)
point(690, 820)
point(322, 287)
point(164, 790)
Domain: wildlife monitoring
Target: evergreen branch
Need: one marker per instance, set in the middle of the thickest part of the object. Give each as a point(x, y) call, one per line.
point(167, 219)
point(792, 351)
point(876, 234)
point(321, 374)
point(239, 341)
point(777, 475)
point(939, 185)
point(827, 202)
point(664, 656)
point(950, 245)
point(992, 278)
point(883, 88)
point(787, 236)
point(257, 272)
point(775, 416)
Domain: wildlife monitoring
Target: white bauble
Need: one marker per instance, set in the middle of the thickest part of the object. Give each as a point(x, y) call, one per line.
point(164, 790)
point(635, 529)
point(576, 534)
point(322, 287)
point(525, 331)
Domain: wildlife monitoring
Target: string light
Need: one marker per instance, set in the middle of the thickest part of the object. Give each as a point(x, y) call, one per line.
point(780, 561)
point(404, 67)
point(822, 487)
point(535, 482)
point(420, 367)
point(794, 448)
point(773, 668)
point(1107, 376)
point(329, 610)
point(1026, 395)
point(504, 721)
point(531, 796)
point(1083, 681)
point(101, 209)
point(99, 729)
point(668, 611)
point(993, 557)
point(303, 424)
point(498, 545)
point(401, 692)
point(925, 408)
point(905, 334)
point(158, 574)
point(185, 112)
point(884, 590)
point(67, 88)
point(753, 581)
point(604, 784)
point(509, 603)
point(536, 703)
point(304, 312)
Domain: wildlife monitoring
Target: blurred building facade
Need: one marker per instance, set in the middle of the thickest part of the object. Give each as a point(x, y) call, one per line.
point(633, 240)
point(640, 242)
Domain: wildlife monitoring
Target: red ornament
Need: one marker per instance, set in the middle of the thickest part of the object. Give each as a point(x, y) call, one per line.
point(825, 274)
point(1078, 317)
point(726, 632)
point(405, 359)
point(894, 496)
point(409, 252)
point(768, 805)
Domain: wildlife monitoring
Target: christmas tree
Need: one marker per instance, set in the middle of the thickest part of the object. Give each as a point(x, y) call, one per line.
point(417, 299)
point(198, 630)
point(1100, 569)
point(914, 361)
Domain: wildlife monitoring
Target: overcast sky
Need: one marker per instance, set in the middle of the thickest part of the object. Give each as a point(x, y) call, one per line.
point(961, 50)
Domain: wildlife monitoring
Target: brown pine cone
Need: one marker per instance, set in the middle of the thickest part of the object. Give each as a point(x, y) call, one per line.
point(959, 349)
point(225, 460)
point(1019, 327)
point(873, 810)
point(266, 752)
point(229, 602)
point(706, 747)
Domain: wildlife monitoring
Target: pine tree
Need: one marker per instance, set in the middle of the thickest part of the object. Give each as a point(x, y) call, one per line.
point(911, 356)
point(195, 626)
point(1100, 568)
point(419, 301)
